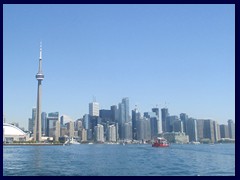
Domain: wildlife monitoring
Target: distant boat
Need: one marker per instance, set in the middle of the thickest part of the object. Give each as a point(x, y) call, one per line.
point(160, 142)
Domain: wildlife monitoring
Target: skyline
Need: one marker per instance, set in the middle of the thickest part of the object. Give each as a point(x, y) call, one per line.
point(150, 53)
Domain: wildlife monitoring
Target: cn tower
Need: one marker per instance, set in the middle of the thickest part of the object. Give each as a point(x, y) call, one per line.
point(39, 77)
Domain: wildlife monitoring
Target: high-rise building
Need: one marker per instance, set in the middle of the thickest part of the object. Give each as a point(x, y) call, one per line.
point(84, 135)
point(32, 120)
point(205, 128)
point(39, 77)
point(153, 123)
point(169, 123)
point(143, 129)
point(94, 109)
point(135, 117)
point(127, 131)
point(125, 102)
point(106, 115)
point(164, 118)
point(159, 121)
point(99, 133)
point(191, 129)
point(52, 118)
point(184, 118)
point(70, 128)
point(178, 126)
point(224, 131)
point(114, 114)
point(216, 131)
point(111, 133)
point(231, 129)
point(44, 122)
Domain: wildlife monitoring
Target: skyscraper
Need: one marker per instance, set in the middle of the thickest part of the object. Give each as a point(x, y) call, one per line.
point(94, 109)
point(231, 129)
point(164, 118)
point(39, 77)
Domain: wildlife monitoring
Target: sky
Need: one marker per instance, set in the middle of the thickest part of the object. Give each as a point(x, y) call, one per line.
point(177, 56)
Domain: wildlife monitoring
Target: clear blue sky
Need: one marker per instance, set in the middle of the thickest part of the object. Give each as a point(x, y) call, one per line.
point(183, 55)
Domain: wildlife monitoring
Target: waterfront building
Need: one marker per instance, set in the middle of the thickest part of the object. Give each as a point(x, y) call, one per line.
point(224, 131)
point(84, 135)
point(216, 127)
point(12, 133)
point(127, 131)
point(37, 125)
point(176, 137)
point(205, 129)
point(143, 129)
point(52, 130)
point(44, 122)
point(111, 133)
point(159, 121)
point(184, 118)
point(99, 133)
point(32, 120)
point(70, 129)
point(135, 117)
point(63, 130)
point(178, 126)
point(153, 123)
point(169, 123)
point(231, 129)
point(165, 114)
point(78, 124)
point(94, 109)
point(191, 129)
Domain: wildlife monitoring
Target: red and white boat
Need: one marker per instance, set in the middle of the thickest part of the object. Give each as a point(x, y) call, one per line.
point(160, 142)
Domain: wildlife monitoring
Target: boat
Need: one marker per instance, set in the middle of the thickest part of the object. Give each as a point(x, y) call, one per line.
point(160, 142)
point(71, 141)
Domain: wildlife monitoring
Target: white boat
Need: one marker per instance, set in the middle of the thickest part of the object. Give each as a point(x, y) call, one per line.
point(71, 141)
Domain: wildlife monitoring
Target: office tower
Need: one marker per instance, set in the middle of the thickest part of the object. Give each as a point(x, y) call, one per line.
point(125, 102)
point(39, 77)
point(209, 130)
point(143, 129)
point(191, 129)
point(135, 117)
point(44, 122)
point(184, 118)
point(52, 118)
point(169, 123)
point(78, 124)
point(114, 114)
point(231, 129)
point(216, 131)
point(57, 131)
point(159, 121)
point(153, 123)
point(224, 131)
point(84, 135)
point(70, 129)
point(205, 130)
point(178, 126)
point(105, 115)
point(111, 133)
point(127, 131)
point(164, 118)
point(32, 120)
point(99, 133)
point(86, 121)
point(94, 109)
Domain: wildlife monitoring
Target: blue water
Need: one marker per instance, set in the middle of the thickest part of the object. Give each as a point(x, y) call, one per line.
point(118, 160)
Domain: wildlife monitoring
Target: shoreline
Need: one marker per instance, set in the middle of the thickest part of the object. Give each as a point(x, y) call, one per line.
point(40, 144)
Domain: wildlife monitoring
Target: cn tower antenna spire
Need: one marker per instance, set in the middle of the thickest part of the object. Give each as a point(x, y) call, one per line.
point(40, 57)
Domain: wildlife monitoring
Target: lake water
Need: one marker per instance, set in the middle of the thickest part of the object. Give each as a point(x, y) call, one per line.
point(119, 160)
